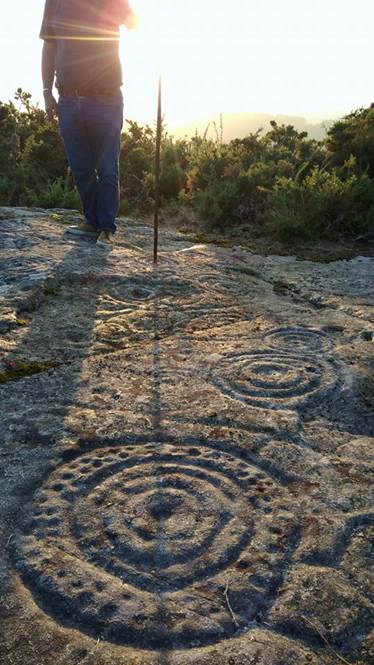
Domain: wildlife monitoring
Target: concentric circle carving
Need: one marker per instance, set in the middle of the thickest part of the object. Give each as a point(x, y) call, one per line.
point(219, 283)
point(131, 544)
point(275, 379)
point(298, 339)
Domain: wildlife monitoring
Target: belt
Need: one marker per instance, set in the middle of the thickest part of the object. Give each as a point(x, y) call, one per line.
point(84, 92)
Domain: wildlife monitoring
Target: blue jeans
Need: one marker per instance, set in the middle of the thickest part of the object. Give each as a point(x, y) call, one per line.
point(90, 128)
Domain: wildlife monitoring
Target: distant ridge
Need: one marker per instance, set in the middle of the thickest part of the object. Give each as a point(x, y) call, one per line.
point(239, 125)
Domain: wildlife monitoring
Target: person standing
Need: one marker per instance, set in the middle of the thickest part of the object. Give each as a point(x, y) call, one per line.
point(81, 57)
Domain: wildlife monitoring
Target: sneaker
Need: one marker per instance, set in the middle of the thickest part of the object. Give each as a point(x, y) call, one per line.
point(106, 238)
point(83, 229)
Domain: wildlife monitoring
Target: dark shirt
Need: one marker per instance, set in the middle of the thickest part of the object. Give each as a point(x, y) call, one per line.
point(86, 33)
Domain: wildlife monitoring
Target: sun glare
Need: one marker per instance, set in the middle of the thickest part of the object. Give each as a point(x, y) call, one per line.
point(217, 56)
point(179, 41)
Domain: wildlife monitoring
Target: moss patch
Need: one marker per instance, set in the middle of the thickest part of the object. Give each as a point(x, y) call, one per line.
point(281, 288)
point(50, 291)
point(61, 219)
point(367, 390)
point(21, 322)
point(19, 369)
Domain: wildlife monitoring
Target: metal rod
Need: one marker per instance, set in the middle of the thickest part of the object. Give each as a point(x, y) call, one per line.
point(157, 169)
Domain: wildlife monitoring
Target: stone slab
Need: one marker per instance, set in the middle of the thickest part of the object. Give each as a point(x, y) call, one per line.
point(186, 452)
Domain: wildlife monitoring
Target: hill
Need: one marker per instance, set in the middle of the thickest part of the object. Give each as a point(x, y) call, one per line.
point(238, 125)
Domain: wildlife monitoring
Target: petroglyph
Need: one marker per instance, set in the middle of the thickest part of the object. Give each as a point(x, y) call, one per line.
point(142, 531)
point(275, 379)
point(189, 480)
point(305, 340)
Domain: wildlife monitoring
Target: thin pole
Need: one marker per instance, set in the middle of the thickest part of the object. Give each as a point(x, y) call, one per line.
point(157, 170)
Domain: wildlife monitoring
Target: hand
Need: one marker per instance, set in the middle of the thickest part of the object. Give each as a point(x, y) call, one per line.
point(50, 104)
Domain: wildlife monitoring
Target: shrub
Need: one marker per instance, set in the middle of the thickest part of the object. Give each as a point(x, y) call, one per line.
point(282, 181)
point(353, 135)
point(56, 195)
point(323, 204)
point(218, 203)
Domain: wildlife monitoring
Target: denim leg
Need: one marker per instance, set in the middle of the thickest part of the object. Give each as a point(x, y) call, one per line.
point(80, 153)
point(104, 118)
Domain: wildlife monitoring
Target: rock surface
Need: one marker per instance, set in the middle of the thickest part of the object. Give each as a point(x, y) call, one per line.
point(186, 452)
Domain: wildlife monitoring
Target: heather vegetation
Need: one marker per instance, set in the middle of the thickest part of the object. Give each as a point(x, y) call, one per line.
point(281, 182)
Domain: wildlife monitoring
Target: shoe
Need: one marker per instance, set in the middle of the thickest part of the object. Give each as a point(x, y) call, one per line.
point(83, 229)
point(106, 238)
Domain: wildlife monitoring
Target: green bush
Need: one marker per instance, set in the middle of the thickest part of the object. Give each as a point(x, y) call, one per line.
point(353, 135)
point(281, 182)
point(172, 181)
point(322, 205)
point(56, 195)
point(5, 191)
point(218, 203)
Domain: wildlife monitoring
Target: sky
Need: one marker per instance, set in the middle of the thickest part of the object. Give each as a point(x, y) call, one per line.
point(300, 57)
